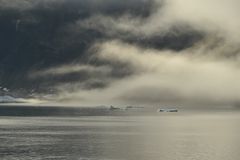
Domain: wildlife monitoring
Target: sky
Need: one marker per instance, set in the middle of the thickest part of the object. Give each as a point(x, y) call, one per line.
point(129, 52)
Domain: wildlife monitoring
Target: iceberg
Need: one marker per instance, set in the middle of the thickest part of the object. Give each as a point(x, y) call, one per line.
point(168, 110)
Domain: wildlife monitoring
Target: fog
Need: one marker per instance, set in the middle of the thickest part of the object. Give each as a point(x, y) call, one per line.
point(179, 52)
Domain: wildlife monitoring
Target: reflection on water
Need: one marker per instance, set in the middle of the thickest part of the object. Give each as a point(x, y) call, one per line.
point(158, 137)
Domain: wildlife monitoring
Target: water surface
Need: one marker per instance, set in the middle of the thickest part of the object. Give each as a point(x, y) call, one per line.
point(178, 136)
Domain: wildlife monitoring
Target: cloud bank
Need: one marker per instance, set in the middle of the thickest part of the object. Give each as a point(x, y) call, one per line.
point(147, 52)
point(164, 77)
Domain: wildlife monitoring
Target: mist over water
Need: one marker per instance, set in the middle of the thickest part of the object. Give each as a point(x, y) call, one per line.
point(180, 54)
point(198, 135)
point(106, 51)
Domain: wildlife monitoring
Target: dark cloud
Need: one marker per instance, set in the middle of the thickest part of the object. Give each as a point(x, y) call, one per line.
point(37, 35)
point(63, 46)
point(178, 38)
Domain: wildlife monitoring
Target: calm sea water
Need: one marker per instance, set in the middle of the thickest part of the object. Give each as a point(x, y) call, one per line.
point(167, 136)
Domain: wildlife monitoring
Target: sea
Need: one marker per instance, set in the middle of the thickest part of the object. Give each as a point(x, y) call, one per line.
point(53, 133)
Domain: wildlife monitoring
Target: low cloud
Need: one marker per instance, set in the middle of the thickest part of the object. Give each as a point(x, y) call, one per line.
point(165, 77)
point(68, 69)
point(210, 15)
point(136, 52)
